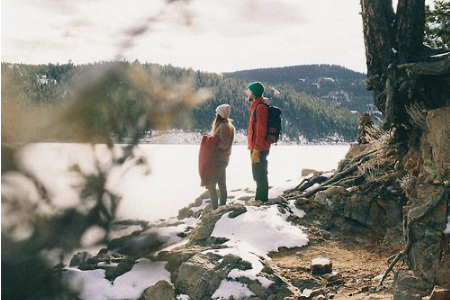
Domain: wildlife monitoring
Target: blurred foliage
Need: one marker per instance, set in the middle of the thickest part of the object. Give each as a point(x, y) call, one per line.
point(81, 104)
point(437, 25)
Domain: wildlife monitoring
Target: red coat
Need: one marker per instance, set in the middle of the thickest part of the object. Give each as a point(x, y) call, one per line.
point(257, 131)
point(207, 159)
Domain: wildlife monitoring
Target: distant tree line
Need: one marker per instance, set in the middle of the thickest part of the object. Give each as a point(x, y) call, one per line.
point(303, 115)
point(335, 84)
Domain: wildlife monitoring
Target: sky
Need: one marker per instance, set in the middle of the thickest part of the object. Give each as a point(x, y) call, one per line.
point(206, 35)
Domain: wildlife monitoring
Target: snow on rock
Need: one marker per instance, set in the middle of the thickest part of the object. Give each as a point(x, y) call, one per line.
point(255, 230)
point(447, 229)
point(249, 235)
point(228, 289)
point(279, 190)
point(93, 285)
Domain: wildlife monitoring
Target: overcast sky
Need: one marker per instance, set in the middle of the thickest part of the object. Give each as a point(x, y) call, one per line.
point(207, 35)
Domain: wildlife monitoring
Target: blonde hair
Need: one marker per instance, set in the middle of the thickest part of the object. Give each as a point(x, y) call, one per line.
point(217, 120)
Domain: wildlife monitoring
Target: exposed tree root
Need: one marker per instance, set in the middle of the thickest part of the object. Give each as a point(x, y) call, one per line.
point(427, 209)
point(338, 177)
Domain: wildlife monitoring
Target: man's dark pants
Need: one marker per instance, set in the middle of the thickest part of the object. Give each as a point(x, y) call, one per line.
point(259, 171)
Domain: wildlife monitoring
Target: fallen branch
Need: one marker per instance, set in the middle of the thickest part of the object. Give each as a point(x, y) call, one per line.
point(427, 209)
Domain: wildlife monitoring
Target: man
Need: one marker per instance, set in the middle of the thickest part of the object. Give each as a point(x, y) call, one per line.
point(257, 144)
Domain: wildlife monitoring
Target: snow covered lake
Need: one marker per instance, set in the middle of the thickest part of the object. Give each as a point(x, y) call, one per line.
point(173, 181)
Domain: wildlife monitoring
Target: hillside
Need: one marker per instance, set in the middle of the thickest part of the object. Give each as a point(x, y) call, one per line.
point(305, 117)
point(334, 84)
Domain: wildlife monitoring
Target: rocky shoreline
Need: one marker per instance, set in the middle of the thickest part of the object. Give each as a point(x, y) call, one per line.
point(380, 208)
point(207, 254)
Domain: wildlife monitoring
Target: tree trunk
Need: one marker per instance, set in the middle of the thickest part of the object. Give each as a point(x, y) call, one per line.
point(393, 39)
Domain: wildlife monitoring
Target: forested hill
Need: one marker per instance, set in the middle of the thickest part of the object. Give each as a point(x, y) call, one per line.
point(335, 84)
point(304, 116)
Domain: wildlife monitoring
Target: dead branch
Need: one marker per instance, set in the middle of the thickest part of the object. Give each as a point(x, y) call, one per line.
point(427, 209)
point(429, 68)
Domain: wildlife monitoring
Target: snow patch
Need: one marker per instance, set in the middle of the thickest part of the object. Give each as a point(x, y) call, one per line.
point(321, 261)
point(93, 285)
point(257, 228)
point(447, 229)
point(228, 289)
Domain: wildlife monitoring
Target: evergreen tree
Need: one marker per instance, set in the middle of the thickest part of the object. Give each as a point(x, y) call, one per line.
point(437, 26)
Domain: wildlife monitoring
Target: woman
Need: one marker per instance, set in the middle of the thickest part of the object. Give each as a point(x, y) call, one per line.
point(223, 129)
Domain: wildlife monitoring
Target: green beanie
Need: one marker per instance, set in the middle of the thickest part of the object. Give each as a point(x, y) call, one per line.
point(257, 88)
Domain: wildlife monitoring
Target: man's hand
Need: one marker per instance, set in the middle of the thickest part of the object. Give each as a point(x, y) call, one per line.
point(255, 156)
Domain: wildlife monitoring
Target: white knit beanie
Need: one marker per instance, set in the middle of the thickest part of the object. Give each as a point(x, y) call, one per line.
point(223, 110)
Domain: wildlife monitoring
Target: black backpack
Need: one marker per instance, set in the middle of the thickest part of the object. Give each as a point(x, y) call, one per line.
point(273, 122)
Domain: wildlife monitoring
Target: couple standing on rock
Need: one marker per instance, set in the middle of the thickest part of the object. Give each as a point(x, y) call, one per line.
point(223, 130)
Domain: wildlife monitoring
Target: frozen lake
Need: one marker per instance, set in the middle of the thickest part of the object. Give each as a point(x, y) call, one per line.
point(173, 182)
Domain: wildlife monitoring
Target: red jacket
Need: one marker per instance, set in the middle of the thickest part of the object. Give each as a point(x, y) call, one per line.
point(257, 131)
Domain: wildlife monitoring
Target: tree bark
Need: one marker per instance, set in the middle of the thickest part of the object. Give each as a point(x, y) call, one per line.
point(392, 39)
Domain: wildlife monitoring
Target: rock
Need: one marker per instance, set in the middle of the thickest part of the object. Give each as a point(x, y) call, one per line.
point(306, 294)
point(201, 234)
point(123, 267)
point(201, 275)
point(440, 294)
point(443, 271)
point(237, 211)
point(318, 292)
point(404, 295)
point(320, 266)
point(303, 284)
point(306, 172)
point(184, 213)
point(175, 258)
point(319, 297)
point(253, 202)
point(329, 277)
point(194, 275)
point(408, 286)
point(79, 258)
point(357, 208)
point(438, 136)
point(162, 290)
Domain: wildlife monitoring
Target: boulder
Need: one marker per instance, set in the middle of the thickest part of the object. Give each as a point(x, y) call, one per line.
point(305, 172)
point(408, 286)
point(321, 265)
point(201, 235)
point(201, 275)
point(438, 137)
point(79, 258)
point(440, 294)
point(162, 290)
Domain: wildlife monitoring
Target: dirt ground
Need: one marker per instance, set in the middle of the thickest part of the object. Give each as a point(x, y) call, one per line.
point(357, 269)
